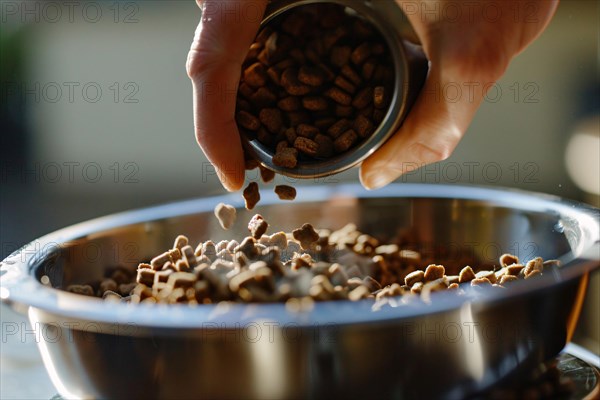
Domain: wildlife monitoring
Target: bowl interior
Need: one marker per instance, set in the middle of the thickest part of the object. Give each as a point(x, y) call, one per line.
point(449, 231)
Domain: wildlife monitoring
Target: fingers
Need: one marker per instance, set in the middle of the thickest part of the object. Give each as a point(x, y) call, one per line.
point(430, 132)
point(214, 62)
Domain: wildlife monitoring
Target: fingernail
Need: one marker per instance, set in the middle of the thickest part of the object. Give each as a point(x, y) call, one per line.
point(225, 181)
point(375, 178)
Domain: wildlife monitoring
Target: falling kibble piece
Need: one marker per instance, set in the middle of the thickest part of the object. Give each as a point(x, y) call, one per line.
point(251, 195)
point(226, 215)
point(285, 192)
point(257, 226)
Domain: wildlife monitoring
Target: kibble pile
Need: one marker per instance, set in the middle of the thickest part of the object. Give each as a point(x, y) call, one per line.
point(316, 82)
point(303, 266)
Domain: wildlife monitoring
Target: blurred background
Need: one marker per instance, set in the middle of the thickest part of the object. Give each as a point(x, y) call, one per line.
point(96, 118)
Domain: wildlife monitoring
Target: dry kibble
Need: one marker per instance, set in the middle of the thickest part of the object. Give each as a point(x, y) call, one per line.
point(379, 97)
point(272, 119)
point(466, 275)
point(285, 192)
point(363, 98)
point(315, 103)
point(257, 226)
point(534, 265)
point(180, 242)
point(338, 128)
point(508, 259)
point(306, 146)
point(414, 277)
point(266, 174)
point(287, 158)
point(351, 74)
point(361, 53)
point(310, 76)
point(306, 235)
point(251, 195)
point(480, 282)
point(433, 272)
point(363, 126)
point(313, 71)
point(247, 120)
point(289, 103)
point(255, 75)
point(344, 84)
point(226, 215)
point(266, 268)
point(339, 96)
point(307, 131)
point(345, 141)
point(506, 279)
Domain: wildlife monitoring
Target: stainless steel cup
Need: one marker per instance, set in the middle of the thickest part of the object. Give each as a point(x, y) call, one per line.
point(410, 66)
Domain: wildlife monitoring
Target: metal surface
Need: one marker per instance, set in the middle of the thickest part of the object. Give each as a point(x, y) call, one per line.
point(410, 66)
point(94, 349)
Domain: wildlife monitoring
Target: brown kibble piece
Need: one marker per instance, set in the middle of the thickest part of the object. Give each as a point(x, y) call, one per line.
point(363, 98)
point(345, 141)
point(289, 103)
point(361, 53)
point(325, 146)
point(306, 235)
point(480, 282)
point(272, 119)
point(344, 84)
point(145, 276)
point(368, 68)
point(466, 275)
point(310, 76)
point(287, 158)
point(251, 195)
point(307, 146)
point(489, 275)
point(507, 279)
point(263, 97)
point(508, 259)
point(533, 273)
point(255, 75)
point(351, 75)
point(534, 265)
point(257, 226)
point(307, 131)
point(247, 120)
point(363, 126)
point(285, 192)
point(433, 272)
point(340, 55)
point(338, 128)
point(339, 96)
point(226, 215)
point(514, 269)
point(315, 103)
point(266, 174)
point(180, 242)
point(158, 261)
point(414, 277)
point(379, 97)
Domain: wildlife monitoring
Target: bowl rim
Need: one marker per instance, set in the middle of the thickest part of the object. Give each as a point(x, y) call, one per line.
point(20, 288)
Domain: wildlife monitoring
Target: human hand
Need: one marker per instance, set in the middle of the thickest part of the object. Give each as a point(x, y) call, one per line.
point(214, 64)
point(474, 49)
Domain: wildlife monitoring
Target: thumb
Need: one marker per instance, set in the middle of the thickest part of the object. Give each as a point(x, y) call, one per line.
point(431, 130)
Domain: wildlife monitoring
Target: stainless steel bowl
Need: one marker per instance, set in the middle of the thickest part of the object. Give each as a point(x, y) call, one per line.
point(453, 347)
